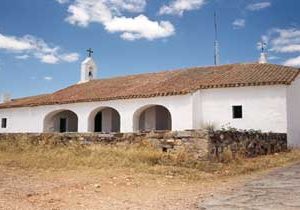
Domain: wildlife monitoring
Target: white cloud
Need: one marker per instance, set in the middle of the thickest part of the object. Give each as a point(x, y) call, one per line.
point(259, 6)
point(284, 40)
point(139, 27)
point(80, 16)
point(109, 13)
point(48, 78)
point(31, 46)
point(293, 62)
point(273, 57)
point(71, 57)
point(178, 7)
point(62, 1)
point(50, 59)
point(15, 44)
point(239, 23)
point(265, 39)
point(127, 5)
point(22, 57)
point(288, 49)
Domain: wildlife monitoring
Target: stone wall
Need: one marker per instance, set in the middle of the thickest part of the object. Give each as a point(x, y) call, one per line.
point(245, 144)
point(194, 143)
point(198, 143)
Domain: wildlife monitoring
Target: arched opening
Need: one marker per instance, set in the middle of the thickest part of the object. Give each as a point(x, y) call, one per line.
point(90, 74)
point(104, 119)
point(152, 117)
point(61, 121)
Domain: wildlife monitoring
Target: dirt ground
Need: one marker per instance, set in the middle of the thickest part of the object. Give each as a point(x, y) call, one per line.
point(103, 189)
point(109, 178)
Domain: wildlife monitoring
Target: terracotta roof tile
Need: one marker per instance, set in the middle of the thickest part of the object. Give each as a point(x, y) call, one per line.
point(165, 83)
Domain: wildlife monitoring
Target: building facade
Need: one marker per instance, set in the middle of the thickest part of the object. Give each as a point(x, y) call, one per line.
point(262, 97)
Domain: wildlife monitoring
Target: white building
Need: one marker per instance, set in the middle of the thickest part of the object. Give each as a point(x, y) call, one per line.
point(245, 96)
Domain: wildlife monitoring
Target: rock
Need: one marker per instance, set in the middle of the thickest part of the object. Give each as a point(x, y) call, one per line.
point(170, 141)
point(184, 134)
point(97, 186)
point(105, 135)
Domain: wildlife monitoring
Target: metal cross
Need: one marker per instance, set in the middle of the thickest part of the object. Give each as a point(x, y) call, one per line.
point(263, 45)
point(90, 51)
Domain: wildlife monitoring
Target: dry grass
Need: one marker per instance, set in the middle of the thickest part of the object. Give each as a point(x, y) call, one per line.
point(141, 158)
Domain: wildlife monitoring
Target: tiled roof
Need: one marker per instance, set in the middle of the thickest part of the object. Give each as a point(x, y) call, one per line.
point(177, 82)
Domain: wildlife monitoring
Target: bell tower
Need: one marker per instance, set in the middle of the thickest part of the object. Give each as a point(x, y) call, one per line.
point(88, 68)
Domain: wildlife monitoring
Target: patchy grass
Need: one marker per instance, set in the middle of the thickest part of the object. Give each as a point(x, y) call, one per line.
point(139, 157)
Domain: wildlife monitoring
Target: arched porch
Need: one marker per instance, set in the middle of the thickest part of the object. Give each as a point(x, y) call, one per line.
point(152, 117)
point(104, 119)
point(61, 121)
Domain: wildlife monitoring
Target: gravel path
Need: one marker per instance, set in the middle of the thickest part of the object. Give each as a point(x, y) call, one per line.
point(278, 190)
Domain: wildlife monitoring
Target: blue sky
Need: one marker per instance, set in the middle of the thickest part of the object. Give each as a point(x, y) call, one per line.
point(42, 43)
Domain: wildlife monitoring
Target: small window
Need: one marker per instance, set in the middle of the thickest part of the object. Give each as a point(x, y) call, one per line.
point(237, 112)
point(3, 122)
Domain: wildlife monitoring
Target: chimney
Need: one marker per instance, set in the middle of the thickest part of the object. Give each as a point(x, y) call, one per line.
point(263, 58)
point(6, 97)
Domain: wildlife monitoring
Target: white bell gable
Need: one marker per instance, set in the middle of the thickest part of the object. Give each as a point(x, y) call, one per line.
point(88, 70)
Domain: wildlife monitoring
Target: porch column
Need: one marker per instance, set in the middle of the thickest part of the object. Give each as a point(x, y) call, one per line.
point(126, 121)
point(83, 123)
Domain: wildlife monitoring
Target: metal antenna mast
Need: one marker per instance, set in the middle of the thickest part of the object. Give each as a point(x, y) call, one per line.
point(217, 53)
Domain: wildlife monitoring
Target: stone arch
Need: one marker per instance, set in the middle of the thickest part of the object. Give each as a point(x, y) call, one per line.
point(61, 121)
point(104, 119)
point(152, 117)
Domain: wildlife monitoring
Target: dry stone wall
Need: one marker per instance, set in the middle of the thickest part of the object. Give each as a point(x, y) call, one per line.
point(200, 144)
point(245, 144)
point(192, 142)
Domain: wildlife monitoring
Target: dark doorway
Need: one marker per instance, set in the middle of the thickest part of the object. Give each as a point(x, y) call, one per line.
point(98, 122)
point(62, 125)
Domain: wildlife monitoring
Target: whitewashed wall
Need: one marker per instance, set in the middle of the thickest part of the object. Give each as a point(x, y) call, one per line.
point(264, 107)
point(293, 107)
point(197, 107)
point(30, 119)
